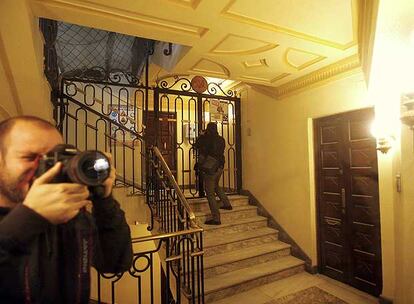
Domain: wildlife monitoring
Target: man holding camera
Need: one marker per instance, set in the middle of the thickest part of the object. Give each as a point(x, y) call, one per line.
point(47, 239)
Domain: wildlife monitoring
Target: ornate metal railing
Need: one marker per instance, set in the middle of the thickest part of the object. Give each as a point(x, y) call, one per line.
point(177, 256)
point(177, 251)
point(165, 198)
point(90, 118)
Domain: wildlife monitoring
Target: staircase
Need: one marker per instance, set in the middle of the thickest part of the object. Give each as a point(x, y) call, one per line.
point(242, 252)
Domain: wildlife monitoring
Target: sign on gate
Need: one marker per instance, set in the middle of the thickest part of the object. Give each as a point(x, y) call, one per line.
point(218, 111)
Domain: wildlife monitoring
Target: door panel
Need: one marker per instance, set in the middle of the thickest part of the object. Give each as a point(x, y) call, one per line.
point(167, 130)
point(348, 210)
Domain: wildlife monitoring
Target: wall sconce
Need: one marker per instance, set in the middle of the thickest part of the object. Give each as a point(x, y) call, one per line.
point(384, 144)
point(384, 139)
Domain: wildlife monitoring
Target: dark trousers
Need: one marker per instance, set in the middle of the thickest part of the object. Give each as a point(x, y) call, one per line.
point(211, 186)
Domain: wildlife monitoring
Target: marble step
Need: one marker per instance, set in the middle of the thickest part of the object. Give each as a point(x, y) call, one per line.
point(228, 216)
point(239, 225)
point(201, 204)
point(221, 263)
point(219, 244)
point(230, 283)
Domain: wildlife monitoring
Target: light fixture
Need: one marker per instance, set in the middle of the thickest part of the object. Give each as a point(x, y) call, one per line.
point(383, 138)
point(384, 145)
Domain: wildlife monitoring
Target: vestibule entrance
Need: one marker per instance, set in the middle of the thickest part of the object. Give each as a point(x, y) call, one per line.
point(349, 240)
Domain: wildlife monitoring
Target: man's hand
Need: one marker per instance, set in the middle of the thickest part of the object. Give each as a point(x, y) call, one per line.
point(58, 203)
point(109, 182)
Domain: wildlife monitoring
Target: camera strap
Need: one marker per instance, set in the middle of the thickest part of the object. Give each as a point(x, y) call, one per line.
point(84, 237)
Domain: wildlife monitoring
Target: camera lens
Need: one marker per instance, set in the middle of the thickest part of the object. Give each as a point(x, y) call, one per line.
point(90, 168)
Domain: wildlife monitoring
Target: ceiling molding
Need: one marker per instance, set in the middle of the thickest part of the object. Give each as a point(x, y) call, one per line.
point(267, 46)
point(367, 17)
point(279, 29)
point(222, 72)
point(321, 76)
point(261, 63)
point(191, 4)
point(123, 15)
point(265, 81)
point(305, 64)
point(233, 85)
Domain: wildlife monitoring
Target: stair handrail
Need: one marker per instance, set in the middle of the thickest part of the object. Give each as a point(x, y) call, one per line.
point(177, 188)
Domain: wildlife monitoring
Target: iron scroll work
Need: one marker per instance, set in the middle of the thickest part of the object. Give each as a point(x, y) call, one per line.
point(127, 119)
point(194, 110)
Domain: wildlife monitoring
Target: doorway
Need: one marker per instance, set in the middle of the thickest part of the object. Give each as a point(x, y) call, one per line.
point(167, 136)
point(349, 240)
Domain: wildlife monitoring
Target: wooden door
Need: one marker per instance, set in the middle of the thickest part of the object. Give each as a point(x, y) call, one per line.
point(349, 239)
point(167, 136)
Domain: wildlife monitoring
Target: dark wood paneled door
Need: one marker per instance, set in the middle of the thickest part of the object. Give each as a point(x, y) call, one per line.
point(349, 239)
point(167, 136)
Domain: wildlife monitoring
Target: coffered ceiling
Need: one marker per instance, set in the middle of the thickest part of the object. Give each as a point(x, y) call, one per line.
point(284, 45)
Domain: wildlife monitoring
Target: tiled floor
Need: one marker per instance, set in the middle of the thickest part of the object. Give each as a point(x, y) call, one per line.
point(281, 288)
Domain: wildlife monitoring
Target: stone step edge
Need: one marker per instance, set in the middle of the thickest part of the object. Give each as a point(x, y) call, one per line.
point(293, 264)
point(222, 211)
point(242, 221)
point(204, 200)
point(245, 236)
point(231, 257)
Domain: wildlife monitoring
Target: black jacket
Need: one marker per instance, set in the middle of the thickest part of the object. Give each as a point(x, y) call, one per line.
point(213, 145)
point(45, 263)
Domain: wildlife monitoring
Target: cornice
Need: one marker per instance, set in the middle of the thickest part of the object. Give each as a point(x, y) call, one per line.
point(321, 76)
point(367, 20)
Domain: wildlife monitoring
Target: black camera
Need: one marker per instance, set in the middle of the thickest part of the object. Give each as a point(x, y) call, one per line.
point(90, 168)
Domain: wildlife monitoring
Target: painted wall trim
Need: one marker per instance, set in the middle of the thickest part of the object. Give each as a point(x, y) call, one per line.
point(296, 250)
point(367, 21)
point(319, 77)
point(9, 74)
point(4, 113)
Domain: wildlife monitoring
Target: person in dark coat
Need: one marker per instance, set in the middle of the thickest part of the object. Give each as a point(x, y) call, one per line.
point(211, 143)
point(48, 241)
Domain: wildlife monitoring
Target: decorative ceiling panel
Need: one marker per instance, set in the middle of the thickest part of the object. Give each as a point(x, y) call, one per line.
point(239, 45)
point(189, 3)
point(260, 63)
point(300, 18)
point(286, 45)
point(210, 67)
point(300, 59)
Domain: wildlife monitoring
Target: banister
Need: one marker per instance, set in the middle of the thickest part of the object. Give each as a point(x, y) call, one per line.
point(165, 235)
point(103, 117)
point(175, 185)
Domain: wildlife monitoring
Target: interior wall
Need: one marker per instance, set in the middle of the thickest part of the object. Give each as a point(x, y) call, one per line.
point(278, 160)
point(7, 106)
point(126, 289)
point(23, 87)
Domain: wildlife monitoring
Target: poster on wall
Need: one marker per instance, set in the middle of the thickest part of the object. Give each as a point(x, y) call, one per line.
point(125, 115)
point(190, 130)
point(218, 111)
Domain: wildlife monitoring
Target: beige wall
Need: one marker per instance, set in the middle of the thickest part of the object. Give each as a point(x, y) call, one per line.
point(7, 106)
point(126, 289)
point(278, 159)
point(24, 89)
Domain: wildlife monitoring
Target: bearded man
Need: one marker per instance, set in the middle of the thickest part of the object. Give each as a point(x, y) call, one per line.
point(42, 257)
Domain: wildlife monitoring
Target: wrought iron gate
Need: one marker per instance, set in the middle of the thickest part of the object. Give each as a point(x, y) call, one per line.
point(127, 119)
point(192, 112)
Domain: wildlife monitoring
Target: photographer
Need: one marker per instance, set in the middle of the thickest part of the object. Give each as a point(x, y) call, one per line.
point(210, 143)
point(47, 240)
